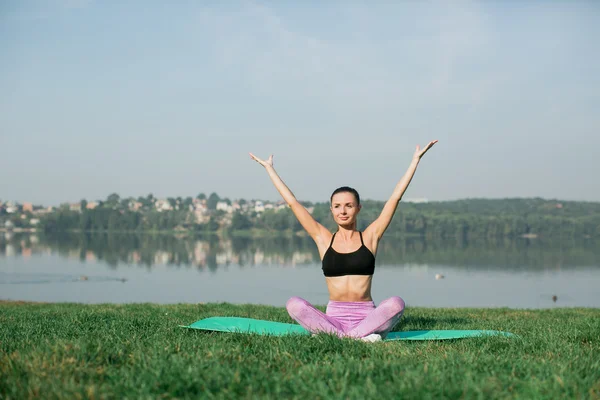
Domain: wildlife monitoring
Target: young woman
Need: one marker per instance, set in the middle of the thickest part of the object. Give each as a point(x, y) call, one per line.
point(348, 258)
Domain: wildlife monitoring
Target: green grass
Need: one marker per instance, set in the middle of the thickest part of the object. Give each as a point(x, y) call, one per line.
point(137, 351)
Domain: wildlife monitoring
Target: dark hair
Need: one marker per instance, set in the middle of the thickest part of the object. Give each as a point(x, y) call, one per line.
point(346, 189)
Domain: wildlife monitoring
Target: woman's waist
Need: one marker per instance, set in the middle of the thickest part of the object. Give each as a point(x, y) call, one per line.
point(350, 288)
point(343, 299)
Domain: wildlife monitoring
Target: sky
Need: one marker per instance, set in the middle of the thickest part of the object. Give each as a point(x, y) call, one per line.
point(139, 97)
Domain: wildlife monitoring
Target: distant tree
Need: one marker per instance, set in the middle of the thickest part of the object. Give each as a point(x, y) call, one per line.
point(201, 196)
point(85, 220)
point(212, 225)
point(242, 202)
point(112, 200)
point(83, 204)
point(125, 203)
point(143, 201)
point(146, 201)
point(212, 201)
point(187, 202)
point(218, 215)
point(240, 221)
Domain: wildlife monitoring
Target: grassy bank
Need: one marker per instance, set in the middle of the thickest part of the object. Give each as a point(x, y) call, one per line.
point(137, 351)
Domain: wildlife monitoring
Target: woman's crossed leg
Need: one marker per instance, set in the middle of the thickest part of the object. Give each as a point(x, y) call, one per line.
point(379, 321)
point(312, 319)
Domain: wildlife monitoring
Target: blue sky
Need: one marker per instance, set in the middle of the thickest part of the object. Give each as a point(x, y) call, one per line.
point(169, 97)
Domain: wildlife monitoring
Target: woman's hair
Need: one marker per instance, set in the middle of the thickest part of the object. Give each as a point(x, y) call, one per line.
point(346, 189)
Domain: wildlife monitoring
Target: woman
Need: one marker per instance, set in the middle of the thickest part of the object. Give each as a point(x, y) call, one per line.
point(348, 258)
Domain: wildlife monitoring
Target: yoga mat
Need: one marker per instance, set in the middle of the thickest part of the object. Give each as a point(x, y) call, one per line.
point(261, 327)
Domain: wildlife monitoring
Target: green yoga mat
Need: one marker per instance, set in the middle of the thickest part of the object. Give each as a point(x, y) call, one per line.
point(257, 326)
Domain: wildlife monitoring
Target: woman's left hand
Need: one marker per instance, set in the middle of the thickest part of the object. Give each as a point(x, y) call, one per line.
point(419, 153)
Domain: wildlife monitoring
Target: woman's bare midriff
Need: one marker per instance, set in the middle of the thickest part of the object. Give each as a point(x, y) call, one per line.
point(349, 287)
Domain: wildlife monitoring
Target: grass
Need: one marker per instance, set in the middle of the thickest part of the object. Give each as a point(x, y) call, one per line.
point(137, 351)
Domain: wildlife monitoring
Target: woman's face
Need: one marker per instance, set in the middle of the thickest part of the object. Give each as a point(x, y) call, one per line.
point(344, 208)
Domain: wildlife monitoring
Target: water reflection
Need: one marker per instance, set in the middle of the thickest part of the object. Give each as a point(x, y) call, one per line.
point(99, 268)
point(211, 252)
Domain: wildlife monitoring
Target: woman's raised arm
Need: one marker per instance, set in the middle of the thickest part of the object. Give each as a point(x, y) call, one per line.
point(314, 229)
point(379, 226)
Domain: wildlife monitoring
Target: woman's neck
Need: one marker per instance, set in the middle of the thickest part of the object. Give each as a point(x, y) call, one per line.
point(347, 232)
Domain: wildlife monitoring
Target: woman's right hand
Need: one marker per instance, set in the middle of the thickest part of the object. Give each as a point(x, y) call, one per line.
point(267, 163)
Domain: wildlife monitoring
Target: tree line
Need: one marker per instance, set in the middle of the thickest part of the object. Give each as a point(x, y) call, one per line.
point(461, 219)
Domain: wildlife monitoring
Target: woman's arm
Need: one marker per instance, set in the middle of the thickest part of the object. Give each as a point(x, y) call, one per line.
point(379, 226)
point(314, 229)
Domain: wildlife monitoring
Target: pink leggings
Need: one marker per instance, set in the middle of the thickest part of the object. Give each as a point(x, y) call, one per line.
point(348, 318)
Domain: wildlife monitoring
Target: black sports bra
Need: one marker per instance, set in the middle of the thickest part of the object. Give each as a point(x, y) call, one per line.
point(359, 262)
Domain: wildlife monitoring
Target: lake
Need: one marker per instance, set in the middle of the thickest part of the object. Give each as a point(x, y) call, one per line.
point(127, 268)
